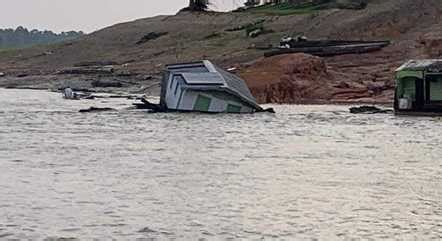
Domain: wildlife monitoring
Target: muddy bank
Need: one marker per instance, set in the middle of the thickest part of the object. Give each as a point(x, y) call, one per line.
point(85, 83)
point(302, 78)
point(142, 48)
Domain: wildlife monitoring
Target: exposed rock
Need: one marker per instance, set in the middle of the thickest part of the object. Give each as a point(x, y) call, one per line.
point(106, 83)
point(87, 70)
point(2, 74)
point(95, 63)
point(147, 230)
point(368, 110)
point(302, 78)
point(151, 36)
point(147, 77)
point(292, 78)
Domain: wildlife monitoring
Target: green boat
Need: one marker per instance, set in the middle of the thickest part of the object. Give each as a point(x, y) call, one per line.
point(419, 88)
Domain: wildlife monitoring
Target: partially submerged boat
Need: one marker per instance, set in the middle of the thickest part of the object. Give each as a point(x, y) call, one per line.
point(419, 88)
point(203, 87)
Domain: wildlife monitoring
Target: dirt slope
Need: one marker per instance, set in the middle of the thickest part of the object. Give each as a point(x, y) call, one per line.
point(414, 26)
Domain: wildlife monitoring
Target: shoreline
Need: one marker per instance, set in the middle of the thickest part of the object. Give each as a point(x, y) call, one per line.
point(125, 94)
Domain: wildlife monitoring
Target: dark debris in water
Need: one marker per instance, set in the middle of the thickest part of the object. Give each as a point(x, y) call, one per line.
point(369, 110)
point(4, 235)
point(147, 230)
point(60, 239)
point(95, 109)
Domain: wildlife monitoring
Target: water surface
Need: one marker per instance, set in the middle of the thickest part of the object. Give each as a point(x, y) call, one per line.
point(307, 172)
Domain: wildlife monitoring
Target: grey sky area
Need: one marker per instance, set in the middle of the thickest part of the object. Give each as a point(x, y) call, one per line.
point(88, 15)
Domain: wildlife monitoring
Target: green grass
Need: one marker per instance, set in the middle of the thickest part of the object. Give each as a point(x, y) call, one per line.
point(288, 9)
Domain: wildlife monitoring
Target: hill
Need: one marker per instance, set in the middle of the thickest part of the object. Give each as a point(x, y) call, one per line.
point(139, 50)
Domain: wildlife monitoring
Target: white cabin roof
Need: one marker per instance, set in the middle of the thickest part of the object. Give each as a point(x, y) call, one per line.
point(205, 75)
point(432, 65)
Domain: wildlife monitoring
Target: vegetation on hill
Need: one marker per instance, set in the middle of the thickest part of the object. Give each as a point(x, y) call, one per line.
point(197, 5)
point(22, 37)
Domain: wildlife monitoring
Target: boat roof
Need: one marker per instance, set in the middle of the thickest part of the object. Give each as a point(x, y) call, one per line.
point(205, 75)
point(431, 65)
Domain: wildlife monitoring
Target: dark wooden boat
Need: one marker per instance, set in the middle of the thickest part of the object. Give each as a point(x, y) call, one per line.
point(325, 48)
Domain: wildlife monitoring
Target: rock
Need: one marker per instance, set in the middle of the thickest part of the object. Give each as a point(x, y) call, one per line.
point(150, 36)
point(22, 75)
point(95, 109)
point(147, 230)
point(69, 94)
point(376, 87)
point(368, 110)
point(87, 70)
point(342, 85)
point(255, 33)
point(95, 63)
point(2, 74)
point(106, 84)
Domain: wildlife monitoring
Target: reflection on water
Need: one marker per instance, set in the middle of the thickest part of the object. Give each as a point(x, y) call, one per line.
point(305, 172)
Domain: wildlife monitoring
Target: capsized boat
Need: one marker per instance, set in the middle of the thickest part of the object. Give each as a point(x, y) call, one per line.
point(419, 88)
point(203, 87)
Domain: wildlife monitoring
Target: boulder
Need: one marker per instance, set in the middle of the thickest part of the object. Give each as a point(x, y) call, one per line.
point(368, 110)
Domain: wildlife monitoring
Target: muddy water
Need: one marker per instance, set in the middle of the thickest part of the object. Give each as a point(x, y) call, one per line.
point(305, 172)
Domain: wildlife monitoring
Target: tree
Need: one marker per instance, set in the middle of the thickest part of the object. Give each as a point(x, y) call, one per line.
point(198, 5)
point(22, 37)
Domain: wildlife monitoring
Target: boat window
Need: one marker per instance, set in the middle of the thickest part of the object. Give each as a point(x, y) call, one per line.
point(435, 86)
point(233, 108)
point(176, 88)
point(171, 82)
point(407, 87)
point(202, 103)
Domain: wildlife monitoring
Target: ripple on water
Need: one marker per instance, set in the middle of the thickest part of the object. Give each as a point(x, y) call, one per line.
point(306, 172)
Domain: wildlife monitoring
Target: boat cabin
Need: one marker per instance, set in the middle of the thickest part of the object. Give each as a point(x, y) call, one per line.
point(419, 87)
point(204, 87)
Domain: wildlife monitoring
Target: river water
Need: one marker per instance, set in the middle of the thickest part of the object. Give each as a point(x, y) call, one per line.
point(307, 172)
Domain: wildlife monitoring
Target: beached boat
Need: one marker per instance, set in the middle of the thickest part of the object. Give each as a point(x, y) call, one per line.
point(326, 48)
point(419, 88)
point(203, 87)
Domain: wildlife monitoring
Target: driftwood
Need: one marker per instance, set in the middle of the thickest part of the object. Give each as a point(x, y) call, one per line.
point(95, 109)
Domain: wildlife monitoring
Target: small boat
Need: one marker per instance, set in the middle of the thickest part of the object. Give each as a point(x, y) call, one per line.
point(203, 87)
point(419, 88)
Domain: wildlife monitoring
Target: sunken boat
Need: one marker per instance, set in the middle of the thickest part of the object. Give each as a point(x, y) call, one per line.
point(203, 87)
point(419, 88)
